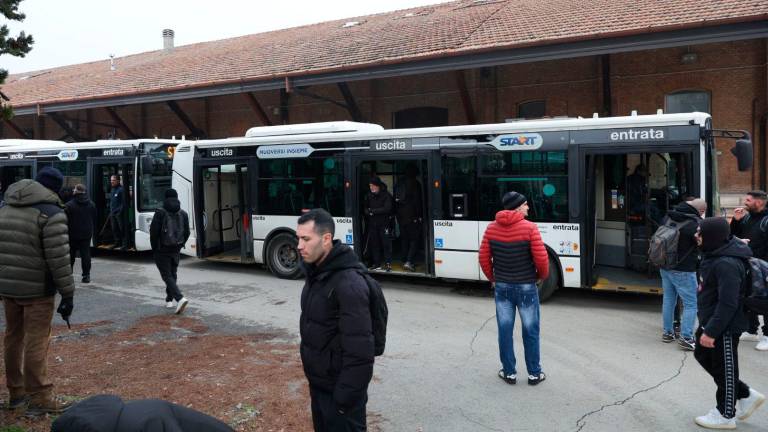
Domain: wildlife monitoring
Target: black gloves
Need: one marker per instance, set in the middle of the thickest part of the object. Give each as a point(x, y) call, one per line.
point(65, 308)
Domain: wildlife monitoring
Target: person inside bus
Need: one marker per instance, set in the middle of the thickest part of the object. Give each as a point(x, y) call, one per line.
point(378, 212)
point(637, 184)
point(408, 199)
point(116, 207)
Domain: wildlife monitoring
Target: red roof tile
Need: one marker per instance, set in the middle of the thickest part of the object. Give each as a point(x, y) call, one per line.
point(447, 29)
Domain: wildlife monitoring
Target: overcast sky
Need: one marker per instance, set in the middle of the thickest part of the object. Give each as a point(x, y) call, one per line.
point(79, 31)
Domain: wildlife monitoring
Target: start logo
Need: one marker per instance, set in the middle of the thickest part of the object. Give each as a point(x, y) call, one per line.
point(521, 141)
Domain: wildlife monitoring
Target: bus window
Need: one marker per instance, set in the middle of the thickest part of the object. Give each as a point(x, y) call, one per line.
point(459, 186)
point(74, 173)
point(290, 186)
point(155, 176)
point(541, 176)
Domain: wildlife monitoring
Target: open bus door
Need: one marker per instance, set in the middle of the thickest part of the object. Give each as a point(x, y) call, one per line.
point(225, 212)
point(100, 170)
point(626, 193)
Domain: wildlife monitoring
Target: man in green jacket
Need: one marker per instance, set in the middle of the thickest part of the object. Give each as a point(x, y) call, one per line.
point(35, 264)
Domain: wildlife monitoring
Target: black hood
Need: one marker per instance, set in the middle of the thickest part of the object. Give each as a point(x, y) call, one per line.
point(683, 211)
point(82, 199)
point(734, 248)
point(171, 205)
point(341, 257)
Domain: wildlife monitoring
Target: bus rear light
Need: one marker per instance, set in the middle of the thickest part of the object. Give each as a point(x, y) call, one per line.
point(438, 261)
point(569, 269)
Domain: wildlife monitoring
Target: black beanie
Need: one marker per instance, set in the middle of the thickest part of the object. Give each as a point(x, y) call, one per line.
point(513, 200)
point(714, 233)
point(171, 193)
point(51, 178)
point(377, 181)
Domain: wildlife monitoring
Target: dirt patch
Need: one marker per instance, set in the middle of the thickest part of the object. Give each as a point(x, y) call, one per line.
point(251, 381)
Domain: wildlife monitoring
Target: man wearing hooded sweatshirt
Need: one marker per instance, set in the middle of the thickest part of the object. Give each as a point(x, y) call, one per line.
point(680, 279)
point(751, 223)
point(379, 211)
point(337, 343)
point(35, 265)
point(168, 233)
point(81, 213)
point(513, 257)
point(721, 320)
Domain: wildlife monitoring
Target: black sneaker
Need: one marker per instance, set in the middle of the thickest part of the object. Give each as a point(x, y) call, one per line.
point(86, 279)
point(509, 379)
point(536, 379)
point(668, 337)
point(687, 344)
point(375, 267)
point(387, 267)
point(409, 267)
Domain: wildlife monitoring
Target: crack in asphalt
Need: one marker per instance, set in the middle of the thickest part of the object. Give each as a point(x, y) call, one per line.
point(472, 342)
point(581, 422)
point(486, 427)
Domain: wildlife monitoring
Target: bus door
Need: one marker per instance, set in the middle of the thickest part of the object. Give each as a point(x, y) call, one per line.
point(626, 194)
point(12, 171)
point(100, 172)
point(225, 207)
point(397, 242)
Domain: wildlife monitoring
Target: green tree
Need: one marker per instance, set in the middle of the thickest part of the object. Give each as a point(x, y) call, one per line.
point(17, 46)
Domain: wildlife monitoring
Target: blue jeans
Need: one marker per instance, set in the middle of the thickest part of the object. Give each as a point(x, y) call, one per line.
point(684, 285)
point(525, 298)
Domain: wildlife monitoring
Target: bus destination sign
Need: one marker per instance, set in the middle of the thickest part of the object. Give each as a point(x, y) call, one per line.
point(221, 152)
point(284, 151)
point(518, 142)
point(392, 144)
point(115, 152)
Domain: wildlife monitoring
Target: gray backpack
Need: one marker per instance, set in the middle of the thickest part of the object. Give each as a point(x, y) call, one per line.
point(662, 251)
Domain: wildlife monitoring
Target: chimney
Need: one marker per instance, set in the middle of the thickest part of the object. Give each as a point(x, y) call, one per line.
point(167, 39)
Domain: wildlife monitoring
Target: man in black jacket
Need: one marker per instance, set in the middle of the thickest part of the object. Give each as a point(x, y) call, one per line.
point(168, 233)
point(721, 317)
point(81, 213)
point(337, 343)
point(117, 214)
point(410, 213)
point(379, 210)
point(679, 281)
point(751, 223)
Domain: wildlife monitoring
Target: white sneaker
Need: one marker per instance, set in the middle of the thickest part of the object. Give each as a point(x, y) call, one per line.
point(181, 306)
point(169, 305)
point(749, 337)
point(714, 420)
point(745, 407)
point(763, 344)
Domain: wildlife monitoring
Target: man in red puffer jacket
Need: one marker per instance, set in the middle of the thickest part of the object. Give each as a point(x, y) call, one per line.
point(513, 257)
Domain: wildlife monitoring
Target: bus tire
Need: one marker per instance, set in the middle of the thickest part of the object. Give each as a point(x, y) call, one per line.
point(552, 282)
point(283, 256)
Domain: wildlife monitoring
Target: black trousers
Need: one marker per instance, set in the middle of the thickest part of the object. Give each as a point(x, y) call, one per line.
point(380, 245)
point(168, 263)
point(409, 236)
point(84, 247)
point(118, 230)
point(722, 363)
point(754, 323)
point(326, 417)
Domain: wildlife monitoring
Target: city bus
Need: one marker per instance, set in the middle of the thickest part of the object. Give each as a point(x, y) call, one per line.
point(597, 189)
point(143, 166)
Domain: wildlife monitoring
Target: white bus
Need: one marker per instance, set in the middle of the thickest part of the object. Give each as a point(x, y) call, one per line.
point(596, 210)
point(144, 167)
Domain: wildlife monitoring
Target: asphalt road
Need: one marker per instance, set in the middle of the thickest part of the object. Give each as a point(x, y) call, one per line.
point(607, 369)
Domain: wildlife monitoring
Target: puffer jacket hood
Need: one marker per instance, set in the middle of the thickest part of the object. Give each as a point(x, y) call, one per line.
point(734, 248)
point(171, 205)
point(25, 193)
point(82, 199)
point(682, 212)
point(508, 217)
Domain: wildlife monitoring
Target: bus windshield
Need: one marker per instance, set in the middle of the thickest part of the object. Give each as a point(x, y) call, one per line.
point(155, 175)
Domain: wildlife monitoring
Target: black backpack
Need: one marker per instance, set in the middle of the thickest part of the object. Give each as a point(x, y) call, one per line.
point(756, 292)
point(379, 311)
point(662, 249)
point(172, 231)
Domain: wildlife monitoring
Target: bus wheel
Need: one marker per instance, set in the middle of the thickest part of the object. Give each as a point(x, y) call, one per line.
point(283, 257)
point(552, 282)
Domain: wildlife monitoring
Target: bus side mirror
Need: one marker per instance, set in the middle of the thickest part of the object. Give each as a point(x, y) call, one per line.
point(743, 152)
point(146, 164)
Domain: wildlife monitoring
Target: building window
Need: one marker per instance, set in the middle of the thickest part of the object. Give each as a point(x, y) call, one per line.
point(532, 109)
point(687, 101)
point(420, 117)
